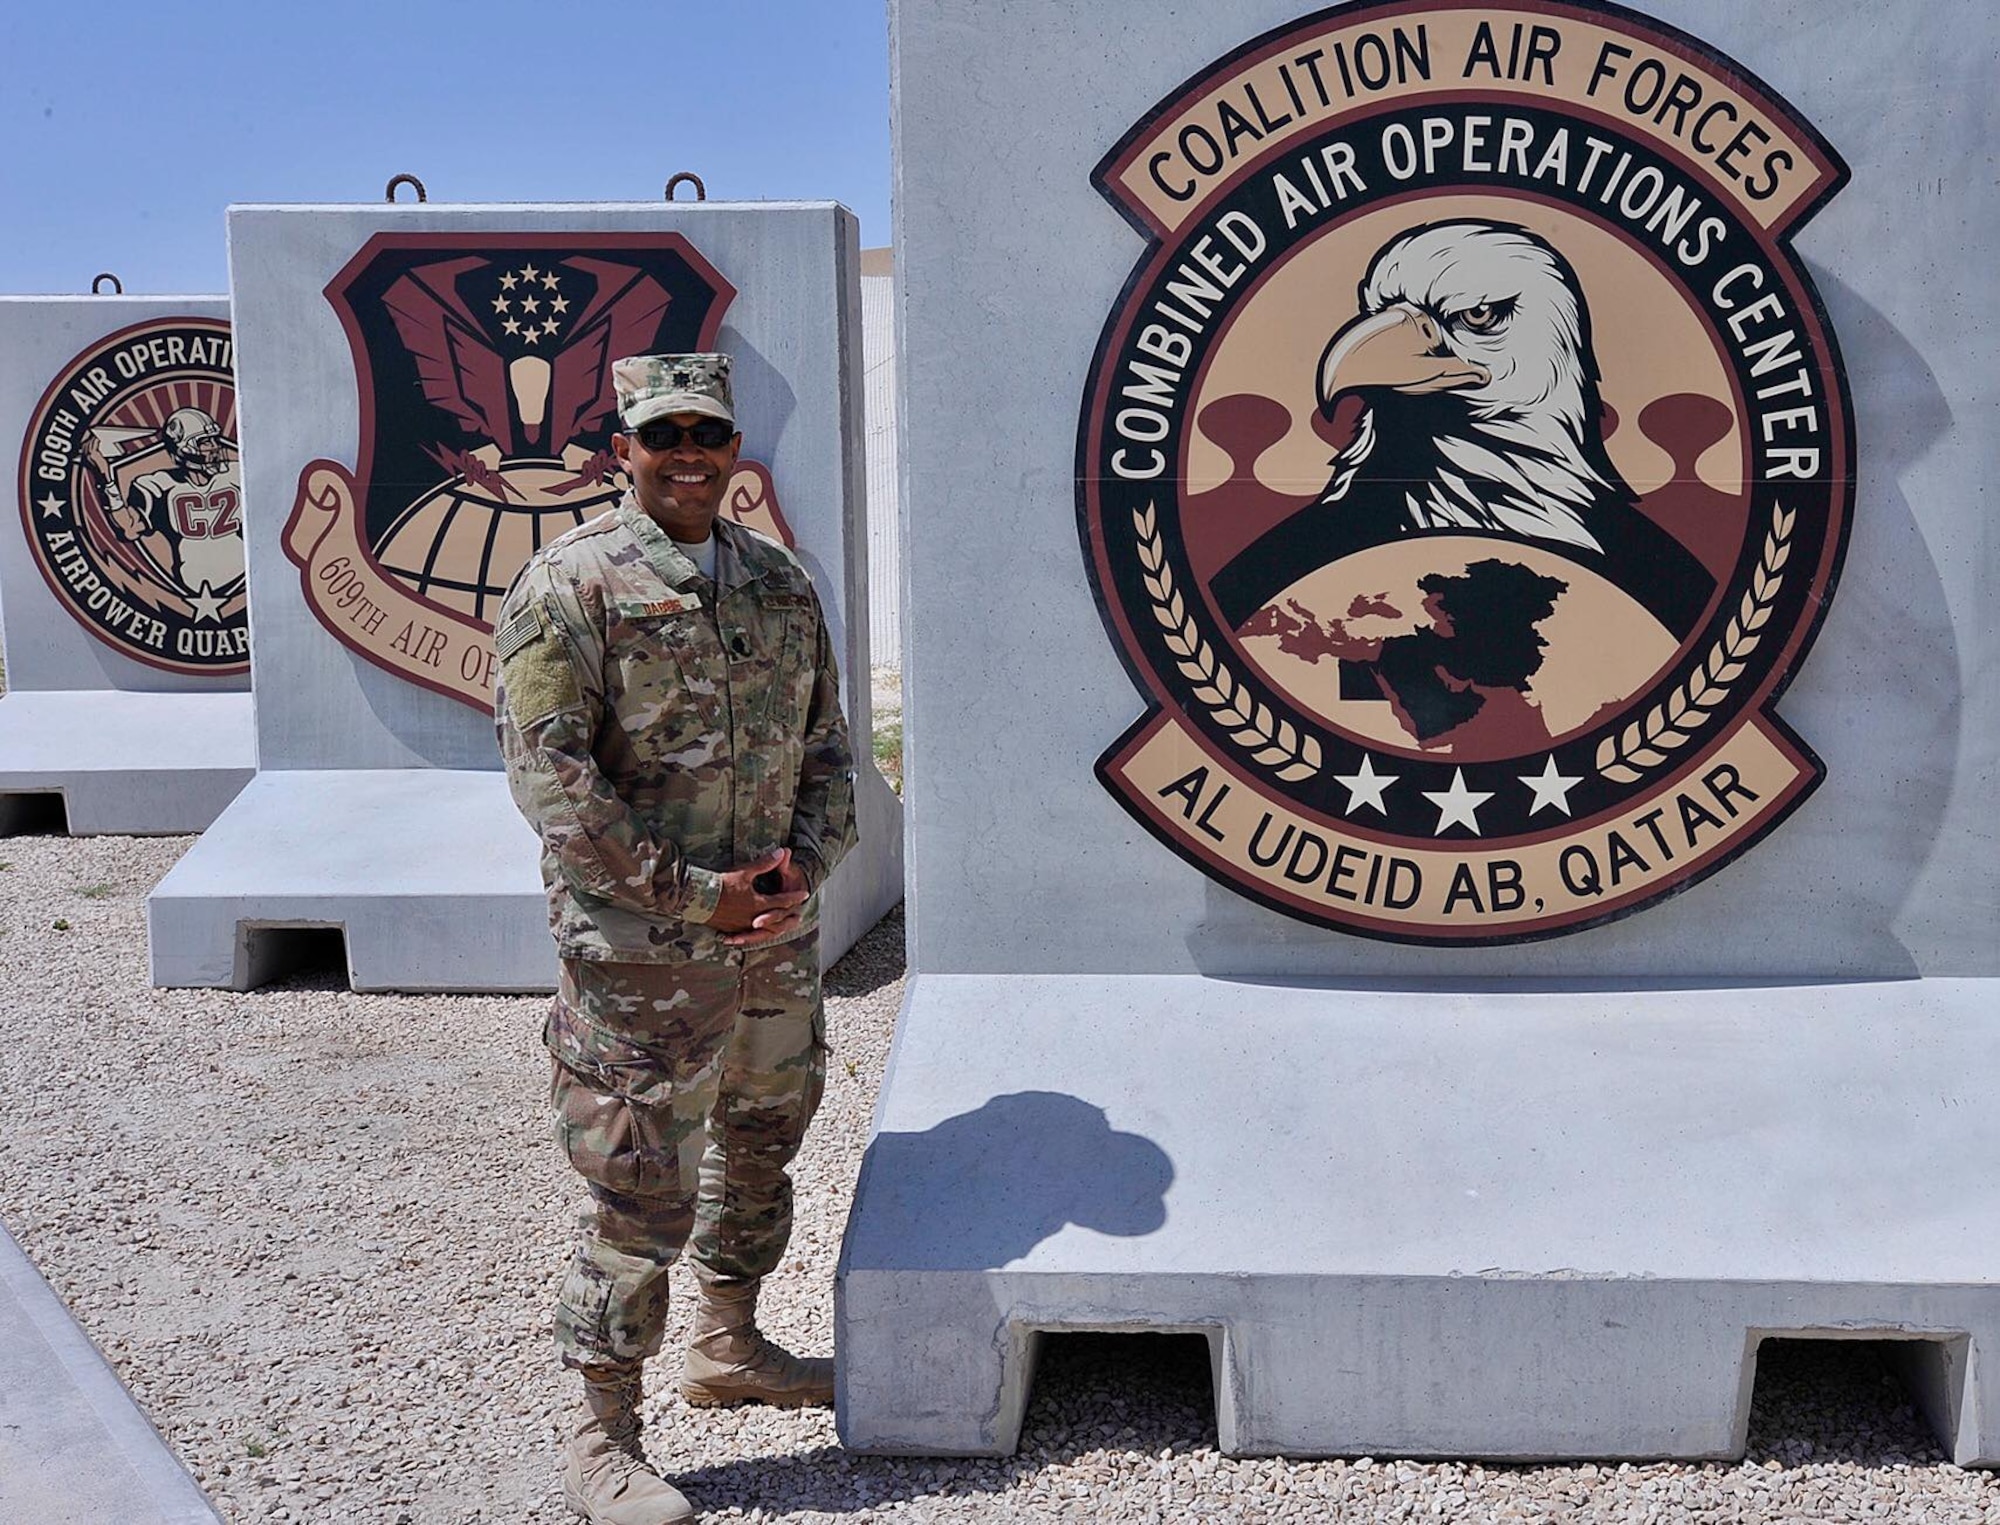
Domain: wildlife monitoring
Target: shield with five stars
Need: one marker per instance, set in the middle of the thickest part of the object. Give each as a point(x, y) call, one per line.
point(483, 368)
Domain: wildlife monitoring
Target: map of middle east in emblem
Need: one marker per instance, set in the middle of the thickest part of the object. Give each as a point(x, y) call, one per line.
point(1466, 467)
point(483, 366)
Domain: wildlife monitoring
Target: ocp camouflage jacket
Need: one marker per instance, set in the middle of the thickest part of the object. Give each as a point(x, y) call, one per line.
point(658, 729)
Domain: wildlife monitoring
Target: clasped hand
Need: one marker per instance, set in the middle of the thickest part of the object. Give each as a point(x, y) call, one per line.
point(749, 917)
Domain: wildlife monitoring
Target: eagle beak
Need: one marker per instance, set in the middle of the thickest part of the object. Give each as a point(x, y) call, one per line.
point(1399, 348)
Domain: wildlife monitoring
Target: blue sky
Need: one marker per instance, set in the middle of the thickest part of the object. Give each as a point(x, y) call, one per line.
point(125, 129)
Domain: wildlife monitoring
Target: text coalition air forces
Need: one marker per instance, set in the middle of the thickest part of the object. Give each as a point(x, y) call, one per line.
point(1321, 81)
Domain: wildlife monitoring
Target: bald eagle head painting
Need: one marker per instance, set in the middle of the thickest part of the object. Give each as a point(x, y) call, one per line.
point(1479, 414)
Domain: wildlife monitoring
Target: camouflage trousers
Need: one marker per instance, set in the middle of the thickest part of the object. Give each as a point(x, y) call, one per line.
point(681, 1093)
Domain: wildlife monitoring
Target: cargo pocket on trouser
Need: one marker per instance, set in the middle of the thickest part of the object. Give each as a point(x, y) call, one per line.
point(617, 1132)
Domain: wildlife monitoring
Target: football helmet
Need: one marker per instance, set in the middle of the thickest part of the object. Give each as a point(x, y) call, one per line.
point(194, 439)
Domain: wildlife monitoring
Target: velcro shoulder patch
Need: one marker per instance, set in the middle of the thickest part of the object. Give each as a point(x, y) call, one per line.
point(524, 627)
point(535, 667)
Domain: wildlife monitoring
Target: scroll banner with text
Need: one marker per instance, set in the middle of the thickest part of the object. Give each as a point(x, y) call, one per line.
point(375, 614)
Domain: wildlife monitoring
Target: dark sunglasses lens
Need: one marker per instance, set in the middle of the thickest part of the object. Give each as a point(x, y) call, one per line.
point(710, 434)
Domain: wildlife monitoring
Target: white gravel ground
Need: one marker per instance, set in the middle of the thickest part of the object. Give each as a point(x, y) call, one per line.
point(318, 1234)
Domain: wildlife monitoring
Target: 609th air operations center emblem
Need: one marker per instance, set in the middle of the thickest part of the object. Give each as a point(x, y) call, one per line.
point(483, 368)
point(1466, 466)
point(132, 499)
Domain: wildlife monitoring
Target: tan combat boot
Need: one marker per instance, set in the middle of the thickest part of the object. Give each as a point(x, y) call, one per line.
point(605, 1477)
point(728, 1361)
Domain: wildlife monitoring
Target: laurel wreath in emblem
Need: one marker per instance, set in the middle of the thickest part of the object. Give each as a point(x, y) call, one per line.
point(1270, 741)
point(1646, 743)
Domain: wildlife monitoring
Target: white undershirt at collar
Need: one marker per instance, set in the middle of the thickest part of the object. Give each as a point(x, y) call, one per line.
point(703, 555)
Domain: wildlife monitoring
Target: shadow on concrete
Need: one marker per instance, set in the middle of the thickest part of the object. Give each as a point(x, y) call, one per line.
point(982, 1189)
point(1887, 708)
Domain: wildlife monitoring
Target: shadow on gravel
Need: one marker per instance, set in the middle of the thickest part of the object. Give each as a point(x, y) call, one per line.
point(1836, 1401)
point(38, 814)
point(305, 959)
point(873, 962)
point(1121, 1393)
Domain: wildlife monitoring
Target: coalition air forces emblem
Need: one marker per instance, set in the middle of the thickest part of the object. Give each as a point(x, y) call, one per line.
point(132, 498)
point(487, 408)
point(1466, 466)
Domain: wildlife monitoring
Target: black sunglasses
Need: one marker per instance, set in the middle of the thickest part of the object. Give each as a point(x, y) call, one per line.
point(664, 434)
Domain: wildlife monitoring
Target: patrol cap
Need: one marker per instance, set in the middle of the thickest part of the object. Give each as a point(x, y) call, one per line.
point(653, 386)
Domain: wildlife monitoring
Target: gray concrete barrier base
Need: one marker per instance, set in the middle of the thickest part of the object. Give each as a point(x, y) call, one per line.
point(430, 874)
point(74, 1448)
point(133, 764)
point(1507, 1225)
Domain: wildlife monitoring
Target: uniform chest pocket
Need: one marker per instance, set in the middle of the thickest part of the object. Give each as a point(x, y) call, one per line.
point(777, 657)
point(666, 665)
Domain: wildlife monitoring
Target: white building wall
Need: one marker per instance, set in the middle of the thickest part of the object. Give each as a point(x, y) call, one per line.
point(878, 349)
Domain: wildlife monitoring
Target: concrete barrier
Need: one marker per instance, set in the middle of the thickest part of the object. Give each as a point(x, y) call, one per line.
point(408, 447)
point(1458, 1172)
point(121, 580)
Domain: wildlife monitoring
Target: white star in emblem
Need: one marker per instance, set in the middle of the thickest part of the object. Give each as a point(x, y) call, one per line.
point(507, 281)
point(51, 506)
point(560, 304)
point(529, 272)
point(1458, 805)
point(549, 326)
point(1366, 787)
point(530, 336)
point(499, 304)
point(1551, 788)
point(207, 605)
point(511, 326)
point(549, 281)
point(531, 304)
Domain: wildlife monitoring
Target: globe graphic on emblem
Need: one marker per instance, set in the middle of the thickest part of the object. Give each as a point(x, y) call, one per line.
point(462, 543)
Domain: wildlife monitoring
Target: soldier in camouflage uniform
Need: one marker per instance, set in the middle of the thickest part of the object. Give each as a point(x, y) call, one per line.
point(668, 709)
